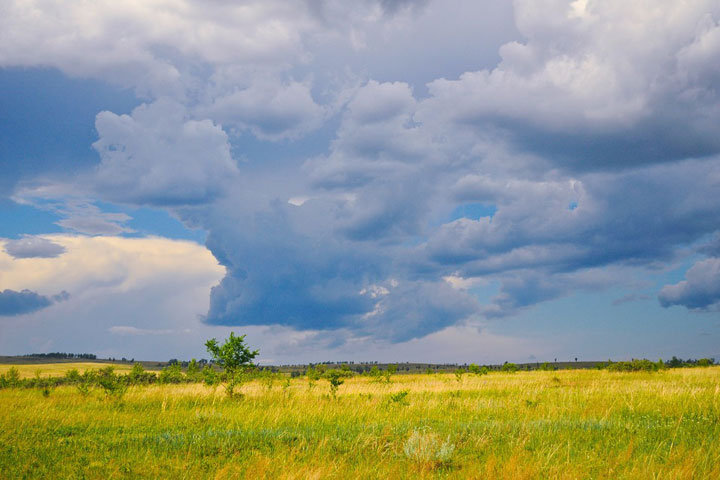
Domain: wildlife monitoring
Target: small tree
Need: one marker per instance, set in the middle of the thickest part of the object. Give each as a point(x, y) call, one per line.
point(389, 372)
point(234, 357)
point(335, 377)
point(233, 354)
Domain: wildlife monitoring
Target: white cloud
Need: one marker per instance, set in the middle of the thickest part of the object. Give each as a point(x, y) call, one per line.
point(626, 69)
point(149, 45)
point(700, 290)
point(157, 156)
point(134, 287)
point(272, 111)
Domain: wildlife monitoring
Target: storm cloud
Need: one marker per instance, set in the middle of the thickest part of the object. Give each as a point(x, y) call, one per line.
point(26, 301)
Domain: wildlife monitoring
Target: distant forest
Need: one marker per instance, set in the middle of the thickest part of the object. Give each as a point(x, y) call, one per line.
point(85, 356)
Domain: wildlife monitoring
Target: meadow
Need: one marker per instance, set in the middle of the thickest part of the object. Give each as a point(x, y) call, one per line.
point(538, 424)
point(58, 369)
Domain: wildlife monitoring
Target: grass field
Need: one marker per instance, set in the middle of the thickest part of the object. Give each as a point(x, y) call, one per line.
point(59, 369)
point(562, 424)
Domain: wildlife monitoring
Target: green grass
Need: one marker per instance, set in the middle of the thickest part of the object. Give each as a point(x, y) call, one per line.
point(563, 424)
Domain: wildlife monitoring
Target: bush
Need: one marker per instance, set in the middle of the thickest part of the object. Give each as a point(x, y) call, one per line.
point(171, 374)
point(193, 374)
point(11, 378)
point(210, 376)
point(473, 368)
point(112, 384)
point(510, 368)
point(139, 376)
point(636, 365)
point(72, 376)
point(375, 374)
point(400, 397)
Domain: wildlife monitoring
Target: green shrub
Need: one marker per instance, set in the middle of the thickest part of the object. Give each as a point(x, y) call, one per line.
point(72, 376)
point(139, 376)
point(636, 365)
point(171, 374)
point(510, 368)
point(193, 374)
point(210, 376)
point(400, 397)
point(11, 378)
point(112, 384)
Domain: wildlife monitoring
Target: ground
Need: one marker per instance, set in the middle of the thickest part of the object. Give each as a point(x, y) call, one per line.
point(562, 424)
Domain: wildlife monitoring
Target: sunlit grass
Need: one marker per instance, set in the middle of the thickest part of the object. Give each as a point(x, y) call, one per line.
point(564, 424)
point(59, 369)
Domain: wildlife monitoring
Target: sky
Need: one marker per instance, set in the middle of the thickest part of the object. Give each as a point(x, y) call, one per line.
point(389, 180)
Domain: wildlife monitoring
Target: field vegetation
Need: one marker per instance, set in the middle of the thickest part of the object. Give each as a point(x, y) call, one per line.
point(473, 423)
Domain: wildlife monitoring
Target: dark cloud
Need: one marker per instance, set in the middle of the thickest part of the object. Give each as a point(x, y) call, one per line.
point(712, 247)
point(33, 247)
point(26, 301)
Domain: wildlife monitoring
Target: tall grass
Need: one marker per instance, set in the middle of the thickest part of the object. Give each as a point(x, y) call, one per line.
point(561, 424)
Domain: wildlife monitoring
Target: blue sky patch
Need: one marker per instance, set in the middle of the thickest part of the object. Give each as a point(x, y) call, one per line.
point(473, 211)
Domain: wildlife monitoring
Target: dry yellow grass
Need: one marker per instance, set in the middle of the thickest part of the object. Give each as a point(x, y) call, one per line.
point(59, 369)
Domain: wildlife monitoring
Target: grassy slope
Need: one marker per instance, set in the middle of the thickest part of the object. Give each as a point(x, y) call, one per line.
point(565, 424)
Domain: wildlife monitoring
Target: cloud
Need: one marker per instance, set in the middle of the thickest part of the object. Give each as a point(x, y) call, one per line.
point(699, 291)
point(33, 247)
point(597, 84)
point(157, 156)
point(270, 110)
point(73, 203)
point(593, 142)
point(236, 63)
point(14, 303)
point(154, 57)
point(141, 286)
